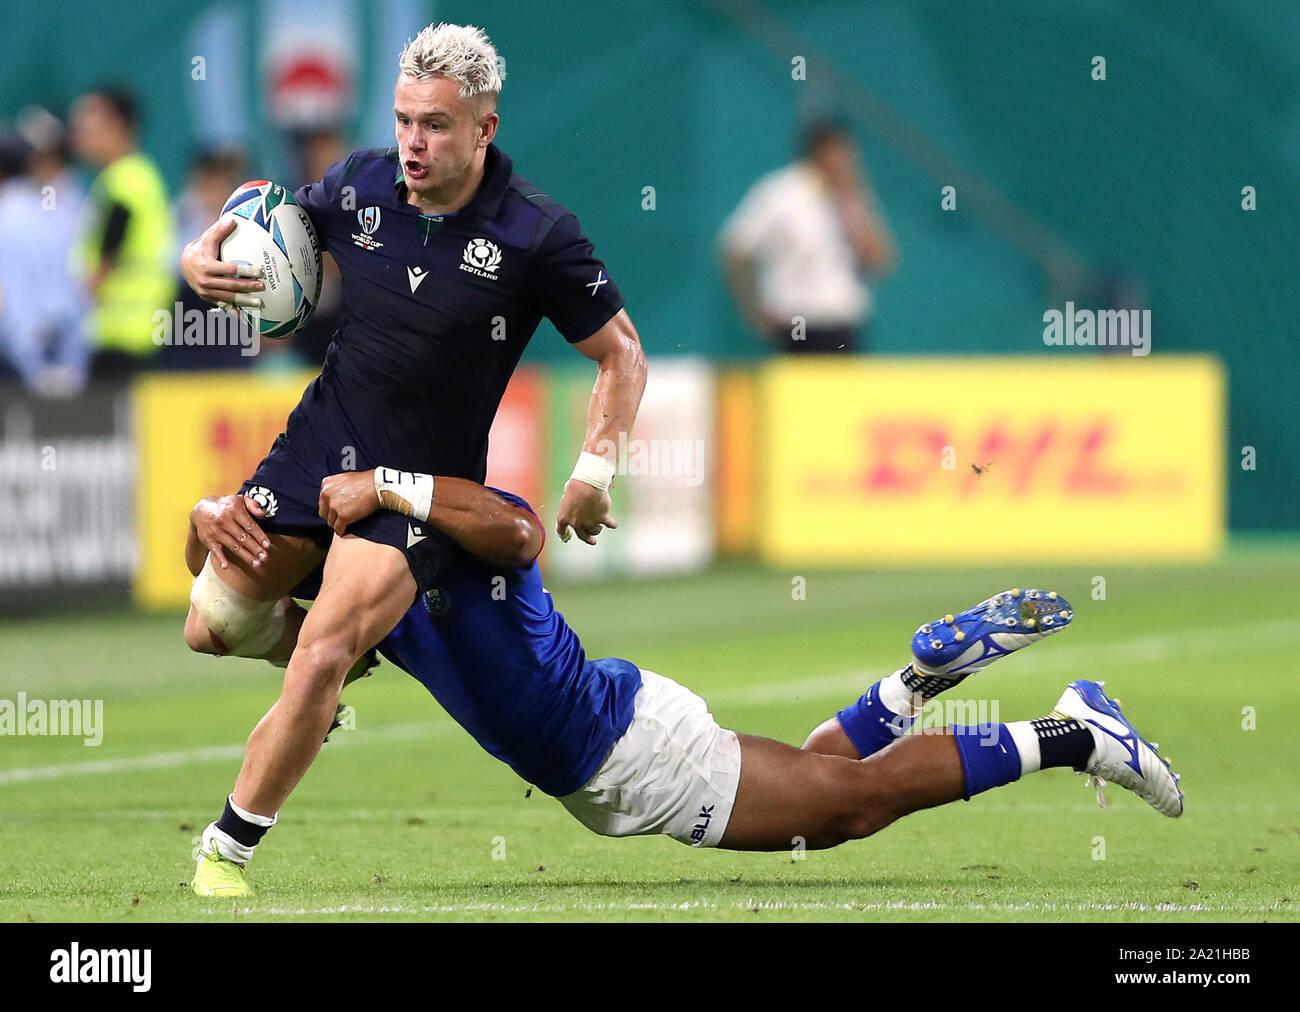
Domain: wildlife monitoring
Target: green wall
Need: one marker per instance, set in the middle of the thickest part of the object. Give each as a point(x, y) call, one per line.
point(1140, 174)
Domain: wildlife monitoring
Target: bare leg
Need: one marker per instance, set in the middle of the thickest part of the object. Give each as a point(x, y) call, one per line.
point(366, 589)
point(288, 561)
point(829, 739)
point(787, 792)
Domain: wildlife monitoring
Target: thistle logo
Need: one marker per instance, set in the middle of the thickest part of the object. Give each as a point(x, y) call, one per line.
point(482, 257)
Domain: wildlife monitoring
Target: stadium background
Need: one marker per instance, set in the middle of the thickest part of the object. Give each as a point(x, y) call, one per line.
point(1101, 463)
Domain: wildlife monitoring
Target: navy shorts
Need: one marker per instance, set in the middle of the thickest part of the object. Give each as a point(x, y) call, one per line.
point(289, 492)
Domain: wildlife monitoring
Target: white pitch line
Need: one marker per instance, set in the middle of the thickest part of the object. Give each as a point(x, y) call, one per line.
point(1119, 653)
point(215, 753)
point(706, 905)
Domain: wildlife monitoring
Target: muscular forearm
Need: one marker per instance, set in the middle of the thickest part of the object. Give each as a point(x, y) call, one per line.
point(483, 523)
point(476, 518)
point(742, 278)
point(615, 398)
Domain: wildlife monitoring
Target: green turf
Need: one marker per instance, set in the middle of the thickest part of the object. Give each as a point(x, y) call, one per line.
point(399, 819)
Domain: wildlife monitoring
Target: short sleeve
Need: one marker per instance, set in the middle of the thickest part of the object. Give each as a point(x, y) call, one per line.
point(749, 225)
point(574, 290)
point(318, 198)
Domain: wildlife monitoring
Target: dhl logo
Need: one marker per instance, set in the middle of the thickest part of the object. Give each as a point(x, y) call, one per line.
point(239, 441)
point(1063, 456)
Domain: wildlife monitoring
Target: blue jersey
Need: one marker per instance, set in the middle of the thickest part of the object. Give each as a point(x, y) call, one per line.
point(490, 646)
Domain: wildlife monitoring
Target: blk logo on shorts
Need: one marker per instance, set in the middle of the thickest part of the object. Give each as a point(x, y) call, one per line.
point(702, 827)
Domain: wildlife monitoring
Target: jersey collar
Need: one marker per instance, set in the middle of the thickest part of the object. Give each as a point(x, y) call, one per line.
point(497, 170)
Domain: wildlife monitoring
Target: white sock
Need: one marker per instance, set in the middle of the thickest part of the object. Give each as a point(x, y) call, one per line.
point(898, 698)
point(226, 845)
point(1026, 739)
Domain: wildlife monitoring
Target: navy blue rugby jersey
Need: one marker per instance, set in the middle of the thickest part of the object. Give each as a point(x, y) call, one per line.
point(436, 312)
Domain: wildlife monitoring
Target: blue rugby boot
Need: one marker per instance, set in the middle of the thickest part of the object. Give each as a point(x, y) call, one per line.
point(946, 651)
point(1122, 756)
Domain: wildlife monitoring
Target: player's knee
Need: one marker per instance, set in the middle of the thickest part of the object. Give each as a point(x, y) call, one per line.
point(201, 639)
point(865, 808)
point(858, 825)
point(323, 662)
point(234, 623)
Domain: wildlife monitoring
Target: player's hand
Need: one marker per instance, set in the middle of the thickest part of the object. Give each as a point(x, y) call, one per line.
point(212, 278)
point(346, 498)
point(226, 524)
point(584, 509)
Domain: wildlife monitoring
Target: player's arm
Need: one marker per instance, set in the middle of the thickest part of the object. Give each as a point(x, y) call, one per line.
point(476, 518)
point(620, 382)
point(220, 524)
point(742, 281)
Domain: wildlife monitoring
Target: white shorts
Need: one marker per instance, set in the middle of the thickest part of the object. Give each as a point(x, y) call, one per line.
point(674, 771)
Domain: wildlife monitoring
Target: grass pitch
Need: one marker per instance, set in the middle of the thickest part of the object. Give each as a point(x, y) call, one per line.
point(405, 819)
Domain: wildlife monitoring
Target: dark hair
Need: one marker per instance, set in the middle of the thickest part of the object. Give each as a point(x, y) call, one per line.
point(13, 153)
point(122, 101)
point(818, 132)
point(228, 158)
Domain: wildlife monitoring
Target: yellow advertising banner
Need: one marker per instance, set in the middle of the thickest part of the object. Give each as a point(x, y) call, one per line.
point(196, 435)
point(987, 460)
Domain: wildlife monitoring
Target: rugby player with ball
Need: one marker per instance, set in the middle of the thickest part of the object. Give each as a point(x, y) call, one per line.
point(449, 260)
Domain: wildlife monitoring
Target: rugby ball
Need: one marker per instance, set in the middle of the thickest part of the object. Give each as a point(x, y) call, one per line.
point(274, 233)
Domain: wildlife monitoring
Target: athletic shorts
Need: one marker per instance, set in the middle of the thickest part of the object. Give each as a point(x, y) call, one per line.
point(674, 771)
point(290, 494)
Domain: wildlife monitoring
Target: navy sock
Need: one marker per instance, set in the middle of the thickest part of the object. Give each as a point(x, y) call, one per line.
point(1062, 741)
point(989, 757)
point(247, 833)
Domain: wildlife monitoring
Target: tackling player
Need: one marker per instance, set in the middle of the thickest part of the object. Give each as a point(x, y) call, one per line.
point(629, 752)
point(449, 260)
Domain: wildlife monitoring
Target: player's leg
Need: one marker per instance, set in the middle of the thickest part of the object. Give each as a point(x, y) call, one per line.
point(365, 589)
point(787, 794)
point(246, 612)
point(944, 652)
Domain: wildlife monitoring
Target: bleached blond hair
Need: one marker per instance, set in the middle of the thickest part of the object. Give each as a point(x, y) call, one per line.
point(460, 53)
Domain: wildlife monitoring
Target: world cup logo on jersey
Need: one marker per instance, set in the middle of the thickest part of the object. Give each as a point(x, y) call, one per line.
point(482, 255)
point(368, 218)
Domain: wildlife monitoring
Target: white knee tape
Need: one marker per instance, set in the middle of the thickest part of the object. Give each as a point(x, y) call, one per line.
point(246, 626)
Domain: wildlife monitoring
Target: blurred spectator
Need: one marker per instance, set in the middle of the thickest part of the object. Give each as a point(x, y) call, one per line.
point(128, 246)
point(318, 150)
point(799, 245)
point(13, 264)
point(214, 174)
point(41, 321)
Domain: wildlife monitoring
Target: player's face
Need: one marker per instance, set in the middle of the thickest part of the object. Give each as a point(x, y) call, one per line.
point(439, 134)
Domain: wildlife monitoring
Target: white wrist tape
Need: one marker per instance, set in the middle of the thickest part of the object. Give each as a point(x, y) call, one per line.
point(404, 491)
point(595, 470)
